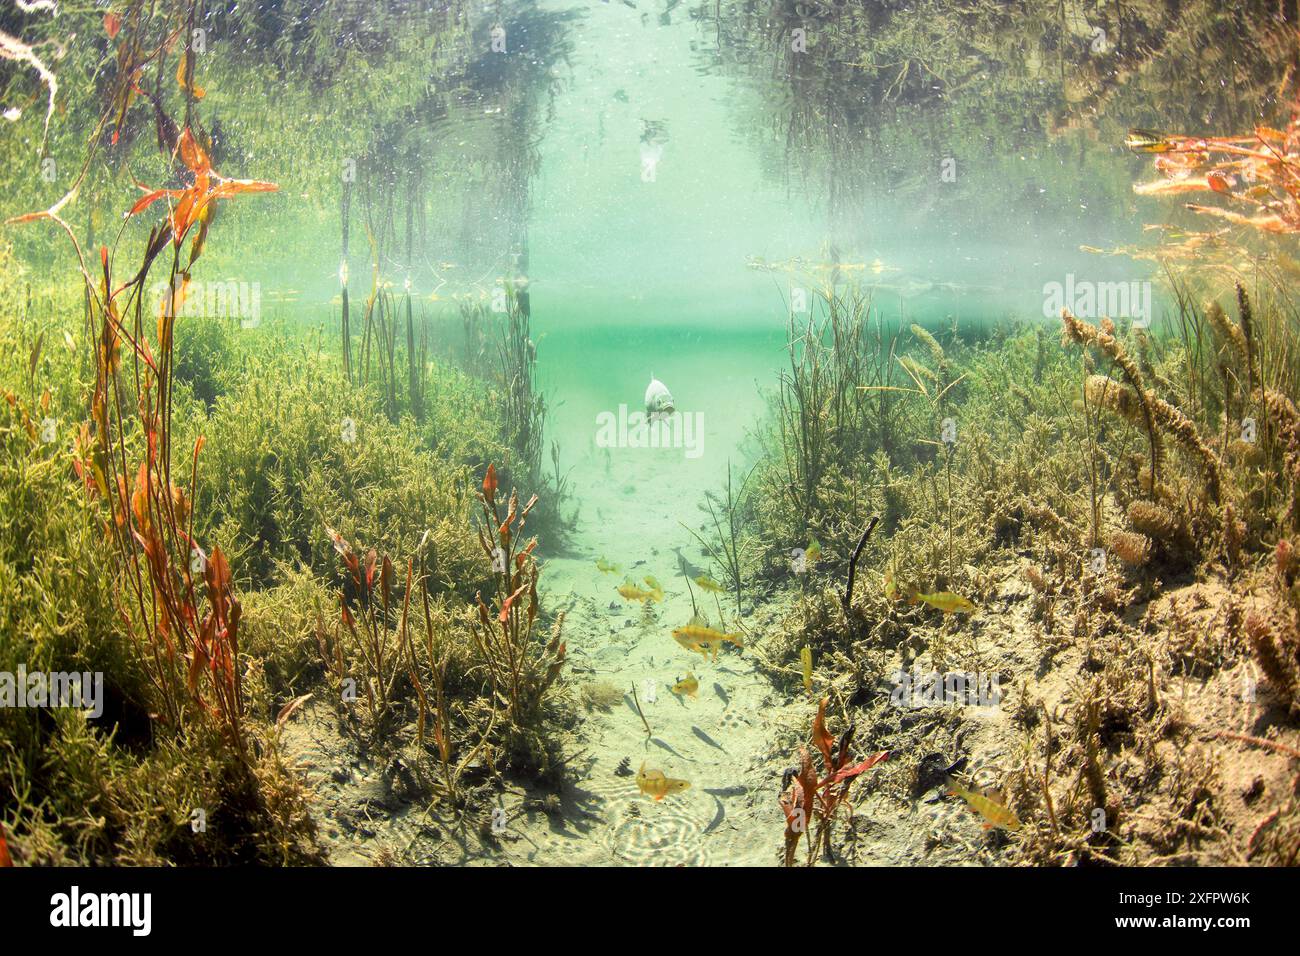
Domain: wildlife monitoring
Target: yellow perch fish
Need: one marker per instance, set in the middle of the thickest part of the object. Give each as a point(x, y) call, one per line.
point(946, 601)
point(657, 784)
point(606, 567)
point(633, 593)
point(696, 637)
point(656, 589)
point(995, 814)
point(708, 584)
point(1147, 141)
point(688, 685)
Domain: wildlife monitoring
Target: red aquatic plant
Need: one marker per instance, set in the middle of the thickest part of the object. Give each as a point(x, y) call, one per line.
point(177, 601)
point(808, 797)
point(195, 203)
point(1256, 174)
point(366, 613)
point(521, 666)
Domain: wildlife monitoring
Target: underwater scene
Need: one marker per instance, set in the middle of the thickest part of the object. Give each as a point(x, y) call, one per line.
point(805, 433)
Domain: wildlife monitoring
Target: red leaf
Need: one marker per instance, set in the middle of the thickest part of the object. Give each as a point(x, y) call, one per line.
point(490, 483)
point(144, 202)
point(822, 738)
point(192, 154)
point(505, 608)
point(1218, 182)
point(4, 848)
point(848, 773)
point(112, 24)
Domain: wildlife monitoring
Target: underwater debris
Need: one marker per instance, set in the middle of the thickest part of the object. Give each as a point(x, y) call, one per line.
point(600, 695)
point(846, 602)
point(12, 48)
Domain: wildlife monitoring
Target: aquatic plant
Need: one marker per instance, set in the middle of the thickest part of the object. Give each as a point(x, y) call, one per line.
point(1272, 630)
point(151, 517)
point(437, 646)
point(523, 409)
point(522, 665)
point(368, 619)
point(1257, 173)
point(820, 418)
point(811, 800)
point(727, 546)
point(279, 437)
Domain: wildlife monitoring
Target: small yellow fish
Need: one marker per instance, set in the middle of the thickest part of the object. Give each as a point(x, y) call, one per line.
point(995, 814)
point(657, 784)
point(945, 601)
point(696, 637)
point(708, 584)
point(656, 589)
point(813, 553)
point(605, 567)
point(688, 685)
point(891, 587)
point(633, 593)
point(1147, 141)
point(805, 658)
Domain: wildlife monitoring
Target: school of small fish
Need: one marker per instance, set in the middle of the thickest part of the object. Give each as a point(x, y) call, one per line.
point(698, 637)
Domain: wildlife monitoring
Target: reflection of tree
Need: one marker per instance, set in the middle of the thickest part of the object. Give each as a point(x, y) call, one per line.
point(447, 128)
point(885, 82)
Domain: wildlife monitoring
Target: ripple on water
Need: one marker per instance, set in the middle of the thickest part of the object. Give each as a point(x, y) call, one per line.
point(645, 832)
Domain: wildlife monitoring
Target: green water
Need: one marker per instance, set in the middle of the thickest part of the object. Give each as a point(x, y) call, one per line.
point(672, 183)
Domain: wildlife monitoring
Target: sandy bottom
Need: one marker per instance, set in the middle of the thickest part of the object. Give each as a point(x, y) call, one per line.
point(634, 507)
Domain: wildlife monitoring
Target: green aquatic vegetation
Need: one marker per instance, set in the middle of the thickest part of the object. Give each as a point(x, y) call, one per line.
point(820, 419)
point(297, 449)
point(523, 407)
point(729, 544)
point(203, 358)
point(113, 789)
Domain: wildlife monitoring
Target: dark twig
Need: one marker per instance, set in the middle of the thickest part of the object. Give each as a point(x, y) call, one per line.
point(853, 563)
